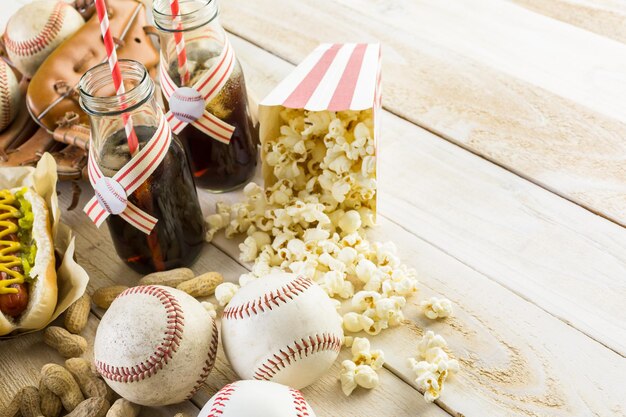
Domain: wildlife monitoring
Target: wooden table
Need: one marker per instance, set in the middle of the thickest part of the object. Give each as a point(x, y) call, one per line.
point(502, 181)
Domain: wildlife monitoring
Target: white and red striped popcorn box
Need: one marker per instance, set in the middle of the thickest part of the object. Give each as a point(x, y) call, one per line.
point(333, 77)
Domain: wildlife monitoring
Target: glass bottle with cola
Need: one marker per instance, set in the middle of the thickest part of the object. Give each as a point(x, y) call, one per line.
point(195, 36)
point(168, 194)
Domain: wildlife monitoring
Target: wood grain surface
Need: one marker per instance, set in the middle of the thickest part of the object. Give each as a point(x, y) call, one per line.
point(517, 357)
point(566, 260)
point(539, 97)
point(604, 17)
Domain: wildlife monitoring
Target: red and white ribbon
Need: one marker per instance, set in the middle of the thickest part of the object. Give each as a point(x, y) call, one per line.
point(111, 192)
point(187, 104)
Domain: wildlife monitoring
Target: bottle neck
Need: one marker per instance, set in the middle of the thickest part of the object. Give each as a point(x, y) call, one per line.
point(198, 26)
point(99, 98)
point(108, 110)
point(194, 14)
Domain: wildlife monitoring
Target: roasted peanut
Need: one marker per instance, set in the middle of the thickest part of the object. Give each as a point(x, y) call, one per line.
point(50, 403)
point(103, 297)
point(90, 385)
point(123, 408)
point(202, 285)
point(59, 380)
point(30, 402)
point(92, 407)
point(171, 278)
point(13, 409)
point(67, 344)
point(180, 415)
point(77, 315)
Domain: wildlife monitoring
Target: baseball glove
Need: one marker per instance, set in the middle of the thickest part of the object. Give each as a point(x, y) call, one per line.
point(57, 124)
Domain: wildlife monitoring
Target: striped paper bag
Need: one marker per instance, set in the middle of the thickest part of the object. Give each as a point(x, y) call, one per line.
point(319, 126)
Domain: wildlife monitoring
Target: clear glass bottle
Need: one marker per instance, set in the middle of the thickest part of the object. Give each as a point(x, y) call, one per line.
point(216, 166)
point(168, 194)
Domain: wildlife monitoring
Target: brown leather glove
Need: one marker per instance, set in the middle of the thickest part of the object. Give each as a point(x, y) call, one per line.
point(51, 96)
point(52, 92)
point(23, 143)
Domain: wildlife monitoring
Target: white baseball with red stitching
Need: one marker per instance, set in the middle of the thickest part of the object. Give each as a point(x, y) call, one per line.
point(10, 96)
point(281, 328)
point(111, 195)
point(258, 399)
point(187, 104)
point(36, 29)
point(155, 345)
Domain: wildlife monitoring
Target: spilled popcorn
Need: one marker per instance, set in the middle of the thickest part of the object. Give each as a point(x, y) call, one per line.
point(319, 197)
point(374, 312)
point(361, 370)
point(353, 375)
point(432, 365)
point(435, 308)
point(210, 307)
point(225, 292)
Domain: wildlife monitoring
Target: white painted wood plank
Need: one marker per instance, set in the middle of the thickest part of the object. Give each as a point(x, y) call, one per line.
point(574, 64)
point(436, 78)
point(517, 359)
point(566, 260)
point(604, 17)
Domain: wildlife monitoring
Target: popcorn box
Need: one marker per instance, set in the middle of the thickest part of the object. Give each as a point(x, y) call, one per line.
point(319, 127)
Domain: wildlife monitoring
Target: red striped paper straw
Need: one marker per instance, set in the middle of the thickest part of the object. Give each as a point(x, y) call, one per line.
point(116, 73)
point(181, 52)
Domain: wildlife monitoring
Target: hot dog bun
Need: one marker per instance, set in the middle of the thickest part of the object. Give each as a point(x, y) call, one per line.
point(43, 288)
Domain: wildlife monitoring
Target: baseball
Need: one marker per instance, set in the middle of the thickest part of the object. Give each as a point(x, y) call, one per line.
point(36, 29)
point(111, 195)
point(186, 104)
point(155, 345)
point(281, 328)
point(10, 96)
point(258, 399)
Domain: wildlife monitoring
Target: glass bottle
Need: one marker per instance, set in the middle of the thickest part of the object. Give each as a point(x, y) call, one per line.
point(216, 166)
point(168, 194)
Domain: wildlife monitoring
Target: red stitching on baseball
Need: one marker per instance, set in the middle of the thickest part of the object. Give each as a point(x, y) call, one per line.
point(103, 201)
point(42, 40)
point(188, 99)
point(221, 398)
point(208, 364)
point(302, 348)
point(268, 301)
point(5, 96)
point(299, 403)
point(115, 194)
point(163, 353)
point(180, 115)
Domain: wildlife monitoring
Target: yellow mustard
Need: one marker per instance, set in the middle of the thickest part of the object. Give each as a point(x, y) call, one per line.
point(8, 248)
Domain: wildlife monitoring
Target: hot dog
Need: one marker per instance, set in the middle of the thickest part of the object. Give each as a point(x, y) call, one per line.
point(13, 304)
point(28, 287)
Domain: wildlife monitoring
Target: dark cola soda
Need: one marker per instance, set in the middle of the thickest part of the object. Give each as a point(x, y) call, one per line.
point(216, 166)
point(170, 196)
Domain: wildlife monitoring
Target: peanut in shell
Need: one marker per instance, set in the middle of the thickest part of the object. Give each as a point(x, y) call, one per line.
point(203, 285)
point(172, 278)
point(103, 297)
